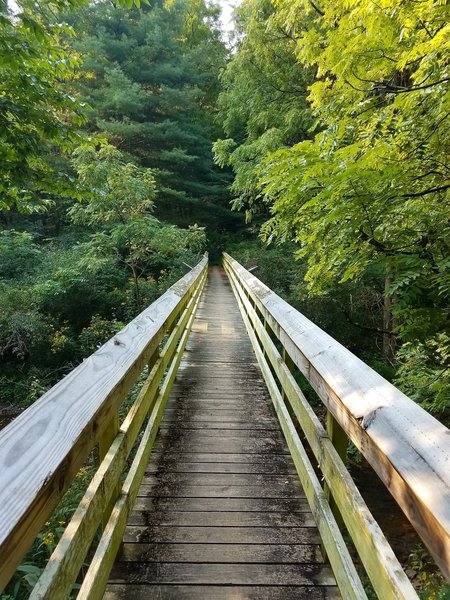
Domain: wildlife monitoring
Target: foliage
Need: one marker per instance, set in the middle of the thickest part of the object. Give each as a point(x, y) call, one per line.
point(422, 373)
point(429, 583)
point(112, 189)
point(76, 297)
point(18, 253)
point(39, 115)
point(365, 198)
point(36, 112)
point(263, 100)
point(31, 568)
point(151, 78)
point(120, 196)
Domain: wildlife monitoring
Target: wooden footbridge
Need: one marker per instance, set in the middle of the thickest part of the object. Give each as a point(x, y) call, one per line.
point(219, 481)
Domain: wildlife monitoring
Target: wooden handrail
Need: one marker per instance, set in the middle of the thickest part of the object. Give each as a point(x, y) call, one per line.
point(407, 447)
point(42, 450)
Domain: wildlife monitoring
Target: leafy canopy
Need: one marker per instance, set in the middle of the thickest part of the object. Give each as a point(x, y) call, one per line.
point(366, 188)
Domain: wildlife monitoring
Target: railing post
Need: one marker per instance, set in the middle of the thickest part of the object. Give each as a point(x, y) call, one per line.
point(291, 366)
point(339, 439)
point(269, 333)
point(152, 360)
point(104, 444)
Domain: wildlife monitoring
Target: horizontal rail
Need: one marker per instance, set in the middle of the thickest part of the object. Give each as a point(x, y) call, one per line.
point(336, 549)
point(42, 450)
point(407, 447)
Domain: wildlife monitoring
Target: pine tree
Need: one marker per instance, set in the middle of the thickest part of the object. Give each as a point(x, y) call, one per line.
point(152, 78)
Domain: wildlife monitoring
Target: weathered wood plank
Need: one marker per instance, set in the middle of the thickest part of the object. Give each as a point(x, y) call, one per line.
point(219, 421)
point(269, 468)
point(278, 505)
point(223, 574)
point(222, 592)
point(73, 415)
point(217, 426)
point(406, 446)
point(180, 480)
point(220, 491)
point(382, 566)
point(169, 457)
point(223, 444)
point(152, 518)
point(222, 535)
point(222, 553)
point(174, 431)
point(205, 414)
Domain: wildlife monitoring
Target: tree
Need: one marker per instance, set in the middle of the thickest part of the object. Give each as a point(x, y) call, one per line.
point(263, 100)
point(37, 114)
point(118, 196)
point(151, 77)
point(370, 189)
point(39, 117)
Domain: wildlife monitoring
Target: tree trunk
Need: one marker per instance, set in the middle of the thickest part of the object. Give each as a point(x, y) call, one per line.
point(388, 321)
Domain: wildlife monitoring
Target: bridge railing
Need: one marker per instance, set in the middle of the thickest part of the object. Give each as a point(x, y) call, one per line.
point(43, 449)
point(406, 446)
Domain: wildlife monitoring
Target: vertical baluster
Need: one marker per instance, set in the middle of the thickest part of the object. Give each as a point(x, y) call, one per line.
point(339, 440)
point(104, 445)
point(291, 366)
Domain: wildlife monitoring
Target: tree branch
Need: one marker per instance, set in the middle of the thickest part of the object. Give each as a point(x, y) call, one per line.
point(425, 192)
point(366, 327)
point(316, 8)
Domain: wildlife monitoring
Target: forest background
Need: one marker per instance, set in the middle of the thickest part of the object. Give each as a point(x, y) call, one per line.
point(314, 144)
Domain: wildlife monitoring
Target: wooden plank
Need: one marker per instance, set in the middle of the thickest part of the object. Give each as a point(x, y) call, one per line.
point(169, 457)
point(222, 553)
point(278, 505)
point(224, 574)
point(339, 439)
point(218, 491)
point(73, 415)
point(222, 592)
point(217, 413)
point(151, 518)
point(180, 480)
point(269, 468)
point(222, 535)
point(223, 444)
point(214, 386)
point(346, 575)
point(218, 426)
point(406, 446)
point(174, 431)
point(96, 578)
point(383, 568)
point(211, 401)
point(109, 435)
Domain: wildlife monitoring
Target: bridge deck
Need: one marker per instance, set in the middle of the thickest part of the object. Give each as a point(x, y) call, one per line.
point(220, 513)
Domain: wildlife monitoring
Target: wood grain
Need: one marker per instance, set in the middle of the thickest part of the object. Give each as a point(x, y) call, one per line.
point(222, 592)
point(407, 447)
point(383, 568)
point(70, 419)
point(220, 502)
